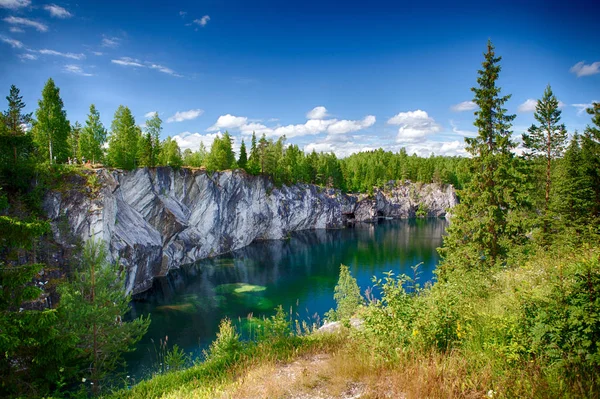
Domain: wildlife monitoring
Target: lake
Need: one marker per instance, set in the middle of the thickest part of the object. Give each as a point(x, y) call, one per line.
point(299, 273)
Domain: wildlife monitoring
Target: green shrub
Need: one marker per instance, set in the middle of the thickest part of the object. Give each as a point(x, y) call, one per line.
point(347, 297)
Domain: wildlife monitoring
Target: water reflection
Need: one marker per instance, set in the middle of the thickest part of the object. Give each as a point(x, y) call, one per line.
point(299, 272)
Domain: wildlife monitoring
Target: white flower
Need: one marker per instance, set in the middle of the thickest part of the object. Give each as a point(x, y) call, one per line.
point(491, 393)
point(83, 379)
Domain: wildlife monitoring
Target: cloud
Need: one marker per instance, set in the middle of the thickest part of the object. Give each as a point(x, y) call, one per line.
point(76, 69)
point(26, 22)
point(185, 115)
point(57, 11)
point(72, 56)
point(12, 42)
point(112, 42)
point(310, 127)
point(98, 53)
point(164, 69)
point(202, 21)
point(317, 113)
point(28, 57)
point(14, 4)
point(581, 108)
point(133, 62)
point(150, 114)
point(464, 106)
point(581, 69)
point(127, 61)
point(228, 122)
point(528, 106)
point(192, 141)
point(15, 29)
point(345, 126)
point(415, 126)
point(182, 13)
point(464, 133)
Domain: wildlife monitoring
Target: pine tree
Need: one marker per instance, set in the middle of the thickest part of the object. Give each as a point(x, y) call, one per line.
point(221, 155)
point(253, 160)
point(92, 310)
point(547, 140)
point(93, 137)
point(16, 145)
point(243, 159)
point(590, 149)
point(124, 139)
point(51, 128)
point(480, 232)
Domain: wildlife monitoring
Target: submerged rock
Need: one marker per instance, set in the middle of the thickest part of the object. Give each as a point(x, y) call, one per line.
point(157, 219)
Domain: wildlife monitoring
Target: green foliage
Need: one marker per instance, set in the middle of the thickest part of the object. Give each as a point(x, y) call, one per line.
point(484, 224)
point(124, 139)
point(221, 155)
point(93, 304)
point(150, 146)
point(51, 127)
point(243, 159)
point(346, 295)
point(170, 154)
point(226, 346)
point(93, 137)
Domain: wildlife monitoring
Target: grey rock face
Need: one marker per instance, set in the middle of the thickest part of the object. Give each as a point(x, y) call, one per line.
point(155, 220)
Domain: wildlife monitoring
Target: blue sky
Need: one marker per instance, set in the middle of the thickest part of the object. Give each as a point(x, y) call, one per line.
point(332, 76)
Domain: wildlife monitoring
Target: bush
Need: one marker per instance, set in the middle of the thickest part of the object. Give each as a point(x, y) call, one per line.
point(347, 297)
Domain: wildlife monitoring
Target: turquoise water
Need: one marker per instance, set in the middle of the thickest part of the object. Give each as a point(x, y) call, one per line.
point(298, 273)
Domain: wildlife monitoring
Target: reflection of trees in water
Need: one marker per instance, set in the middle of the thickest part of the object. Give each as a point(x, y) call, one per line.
point(186, 306)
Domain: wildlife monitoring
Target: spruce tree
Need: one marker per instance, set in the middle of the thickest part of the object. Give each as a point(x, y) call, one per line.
point(16, 145)
point(74, 140)
point(480, 233)
point(93, 137)
point(547, 140)
point(243, 159)
point(124, 139)
point(253, 160)
point(51, 128)
point(590, 149)
point(153, 129)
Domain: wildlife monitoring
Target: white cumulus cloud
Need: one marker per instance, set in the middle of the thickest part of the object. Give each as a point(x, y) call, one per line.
point(27, 23)
point(415, 126)
point(181, 116)
point(14, 4)
point(582, 69)
point(528, 106)
point(464, 106)
point(192, 141)
point(317, 113)
point(150, 114)
point(57, 11)
point(228, 122)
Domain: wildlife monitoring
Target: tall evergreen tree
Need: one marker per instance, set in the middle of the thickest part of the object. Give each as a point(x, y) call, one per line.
point(253, 160)
point(479, 229)
point(221, 155)
point(51, 128)
point(15, 120)
point(124, 139)
point(590, 151)
point(548, 140)
point(93, 137)
point(243, 159)
point(16, 145)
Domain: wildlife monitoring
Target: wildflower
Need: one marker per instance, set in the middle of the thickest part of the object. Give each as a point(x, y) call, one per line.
point(83, 379)
point(491, 393)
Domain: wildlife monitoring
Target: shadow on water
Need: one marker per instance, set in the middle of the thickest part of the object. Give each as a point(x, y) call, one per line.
point(300, 272)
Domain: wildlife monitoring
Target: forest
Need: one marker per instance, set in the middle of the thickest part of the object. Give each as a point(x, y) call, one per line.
point(515, 307)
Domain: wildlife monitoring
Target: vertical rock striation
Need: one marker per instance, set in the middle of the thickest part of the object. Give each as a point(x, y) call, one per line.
point(155, 220)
